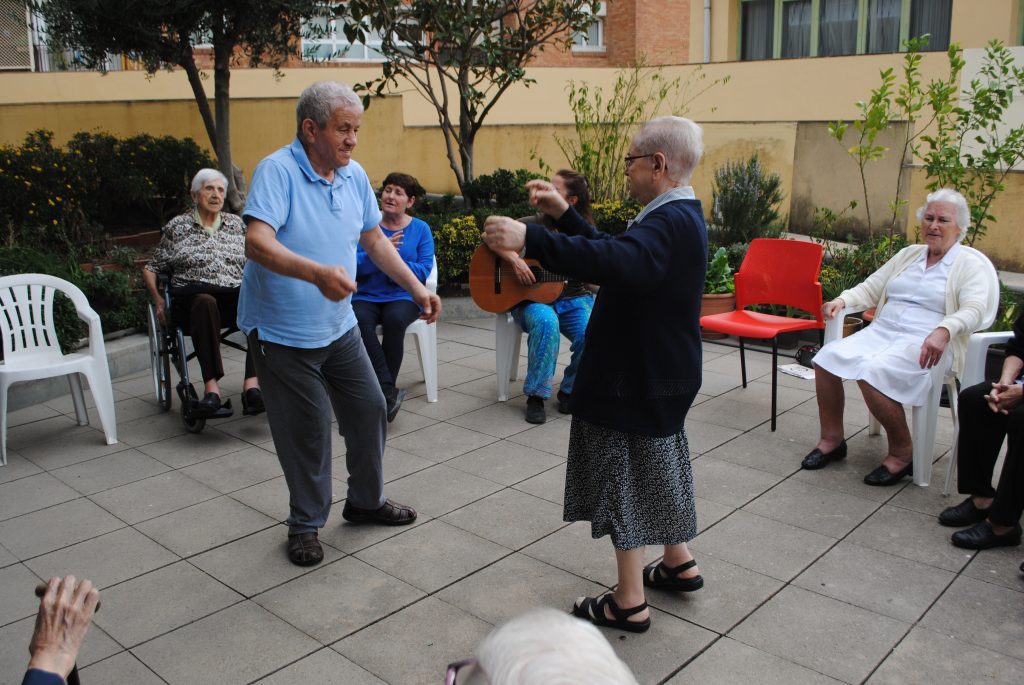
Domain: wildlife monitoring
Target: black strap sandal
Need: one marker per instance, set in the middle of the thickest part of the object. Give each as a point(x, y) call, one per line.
point(661, 577)
point(592, 609)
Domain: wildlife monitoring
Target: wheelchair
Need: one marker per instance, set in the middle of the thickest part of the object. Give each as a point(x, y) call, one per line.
point(167, 348)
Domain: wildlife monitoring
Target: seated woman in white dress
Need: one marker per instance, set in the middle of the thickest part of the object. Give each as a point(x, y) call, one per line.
point(927, 297)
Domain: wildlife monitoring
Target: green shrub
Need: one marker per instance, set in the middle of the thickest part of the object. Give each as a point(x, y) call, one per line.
point(22, 260)
point(746, 202)
point(112, 295)
point(613, 216)
point(455, 241)
point(503, 187)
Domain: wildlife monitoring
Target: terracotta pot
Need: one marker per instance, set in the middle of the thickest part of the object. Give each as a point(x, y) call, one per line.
point(851, 325)
point(716, 304)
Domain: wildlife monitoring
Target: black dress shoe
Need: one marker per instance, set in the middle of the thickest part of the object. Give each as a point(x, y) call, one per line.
point(535, 409)
point(209, 405)
point(964, 514)
point(881, 475)
point(252, 402)
point(563, 402)
point(817, 459)
point(981, 536)
point(394, 402)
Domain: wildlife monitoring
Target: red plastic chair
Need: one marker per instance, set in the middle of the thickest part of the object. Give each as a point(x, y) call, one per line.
point(781, 272)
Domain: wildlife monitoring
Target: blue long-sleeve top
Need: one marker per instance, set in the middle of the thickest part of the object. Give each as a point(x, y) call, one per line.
point(641, 368)
point(417, 251)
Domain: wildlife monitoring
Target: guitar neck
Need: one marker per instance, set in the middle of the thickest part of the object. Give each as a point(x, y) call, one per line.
point(542, 275)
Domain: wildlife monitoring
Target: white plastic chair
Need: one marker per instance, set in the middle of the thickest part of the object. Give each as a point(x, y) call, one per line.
point(508, 337)
point(925, 418)
point(31, 350)
point(974, 373)
point(426, 342)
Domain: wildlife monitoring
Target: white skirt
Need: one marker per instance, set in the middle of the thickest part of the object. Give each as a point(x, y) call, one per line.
point(885, 355)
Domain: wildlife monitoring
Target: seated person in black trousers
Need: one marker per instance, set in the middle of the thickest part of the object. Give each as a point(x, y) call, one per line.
point(205, 251)
point(988, 413)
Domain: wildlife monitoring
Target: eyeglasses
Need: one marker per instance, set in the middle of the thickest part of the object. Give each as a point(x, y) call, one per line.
point(629, 159)
point(453, 670)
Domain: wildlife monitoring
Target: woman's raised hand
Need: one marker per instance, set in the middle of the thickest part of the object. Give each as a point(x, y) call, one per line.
point(544, 197)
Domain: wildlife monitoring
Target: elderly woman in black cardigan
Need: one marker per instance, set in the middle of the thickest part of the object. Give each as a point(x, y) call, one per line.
point(628, 469)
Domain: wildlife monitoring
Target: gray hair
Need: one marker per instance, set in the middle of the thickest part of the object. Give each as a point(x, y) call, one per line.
point(319, 101)
point(205, 175)
point(548, 646)
point(679, 139)
point(963, 212)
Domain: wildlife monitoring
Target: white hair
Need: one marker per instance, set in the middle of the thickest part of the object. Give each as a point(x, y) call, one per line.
point(203, 176)
point(319, 101)
point(963, 212)
point(550, 647)
point(679, 139)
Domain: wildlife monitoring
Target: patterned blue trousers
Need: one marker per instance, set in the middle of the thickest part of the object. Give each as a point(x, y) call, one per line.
point(543, 323)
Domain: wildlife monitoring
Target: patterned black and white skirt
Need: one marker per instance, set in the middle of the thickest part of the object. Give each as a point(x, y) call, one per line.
point(636, 488)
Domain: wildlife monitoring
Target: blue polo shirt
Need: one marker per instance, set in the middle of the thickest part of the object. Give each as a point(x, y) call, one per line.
point(313, 218)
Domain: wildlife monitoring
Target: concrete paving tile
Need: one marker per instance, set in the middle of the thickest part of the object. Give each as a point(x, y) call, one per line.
point(1000, 565)
point(976, 612)
point(573, 549)
point(822, 634)
point(237, 645)
point(505, 462)
point(704, 437)
point(514, 585)
point(103, 473)
point(421, 640)
point(458, 377)
point(486, 387)
point(405, 422)
point(449, 403)
point(803, 430)
point(863, 455)
point(14, 641)
point(715, 384)
point(657, 654)
point(549, 485)
point(120, 668)
point(510, 518)
point(758, 365)
point(855, 410)
point(500, 419)
point(236, 470)
point(49, 529)
point(929, 500)
point(271, 497)
point(760, 392)
point(17, 467)
point(777, 455)
point(709, 513)
point(352, 537)
point(805, 506)
point(136, 385)
point(62, 428)
point(926, 656)
point(105, 560)
point(6, 558)
point(152, 497)
point(876, 581)
point(205, 525)
point(552, 437)
point(762, 545)
point(911, 535)
point(31, 494)
point(729, 484)
point(17, 600)
point(433, 555)
point(439, 489)
point(449, 351)
point(440, 441)
point(183, 593)
point(65, 405)
point(397, 464)
point(257, 562)
point(135, 408)
point(730, 593)
point(729, 661)
point(191, 448)
point(338, 598)
point(30, 414)
point(150, 429)
point(724, 411)
point(325, 667)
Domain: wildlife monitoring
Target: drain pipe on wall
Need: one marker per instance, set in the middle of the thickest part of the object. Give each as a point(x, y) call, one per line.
point(707, 31)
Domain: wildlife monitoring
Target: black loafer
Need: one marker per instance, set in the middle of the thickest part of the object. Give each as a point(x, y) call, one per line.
point(394, 403)
point(881, 475)
point(964, 514)
point(981, 536)
point(817, 459)
point(252, 402)
point(563, 402)
point(535, 409)
point(209, 405)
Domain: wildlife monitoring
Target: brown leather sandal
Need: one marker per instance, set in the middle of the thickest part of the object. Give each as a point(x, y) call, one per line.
point(304, 549)
point(390, 514)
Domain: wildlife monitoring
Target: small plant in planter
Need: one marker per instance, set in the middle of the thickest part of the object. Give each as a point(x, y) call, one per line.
point(719, 290)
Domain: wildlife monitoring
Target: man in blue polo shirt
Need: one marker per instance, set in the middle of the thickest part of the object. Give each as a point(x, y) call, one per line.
point(308, 207)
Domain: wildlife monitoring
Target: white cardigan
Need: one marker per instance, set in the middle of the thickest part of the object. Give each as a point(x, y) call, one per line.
point(967, 295)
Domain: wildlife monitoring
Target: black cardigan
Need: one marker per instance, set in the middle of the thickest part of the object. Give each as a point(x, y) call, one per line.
point(641, 365)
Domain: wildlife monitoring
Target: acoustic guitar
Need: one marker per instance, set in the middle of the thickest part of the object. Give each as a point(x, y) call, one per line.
point(495, 288)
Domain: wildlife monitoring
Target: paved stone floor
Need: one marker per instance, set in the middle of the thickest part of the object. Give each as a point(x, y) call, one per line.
point(812, 577)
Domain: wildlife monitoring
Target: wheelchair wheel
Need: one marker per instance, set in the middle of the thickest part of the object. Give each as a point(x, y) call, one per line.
point(159, 361)
point(188, 396)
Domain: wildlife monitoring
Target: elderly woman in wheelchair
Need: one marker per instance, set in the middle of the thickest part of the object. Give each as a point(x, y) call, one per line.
point(203, 252)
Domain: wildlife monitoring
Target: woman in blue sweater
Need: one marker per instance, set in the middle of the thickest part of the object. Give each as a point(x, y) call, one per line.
point(381, 301)
point(628, 469)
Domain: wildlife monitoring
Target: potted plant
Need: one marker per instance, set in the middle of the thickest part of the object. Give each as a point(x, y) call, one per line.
point(719, 290)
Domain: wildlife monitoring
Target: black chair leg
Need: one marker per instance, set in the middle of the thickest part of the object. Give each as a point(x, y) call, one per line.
point(743, 364)
point(775, 372)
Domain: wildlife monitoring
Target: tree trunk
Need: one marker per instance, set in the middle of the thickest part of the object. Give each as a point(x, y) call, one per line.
point(222, 50)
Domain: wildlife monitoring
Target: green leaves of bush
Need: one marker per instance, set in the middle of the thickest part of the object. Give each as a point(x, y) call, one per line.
point(746, 201)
